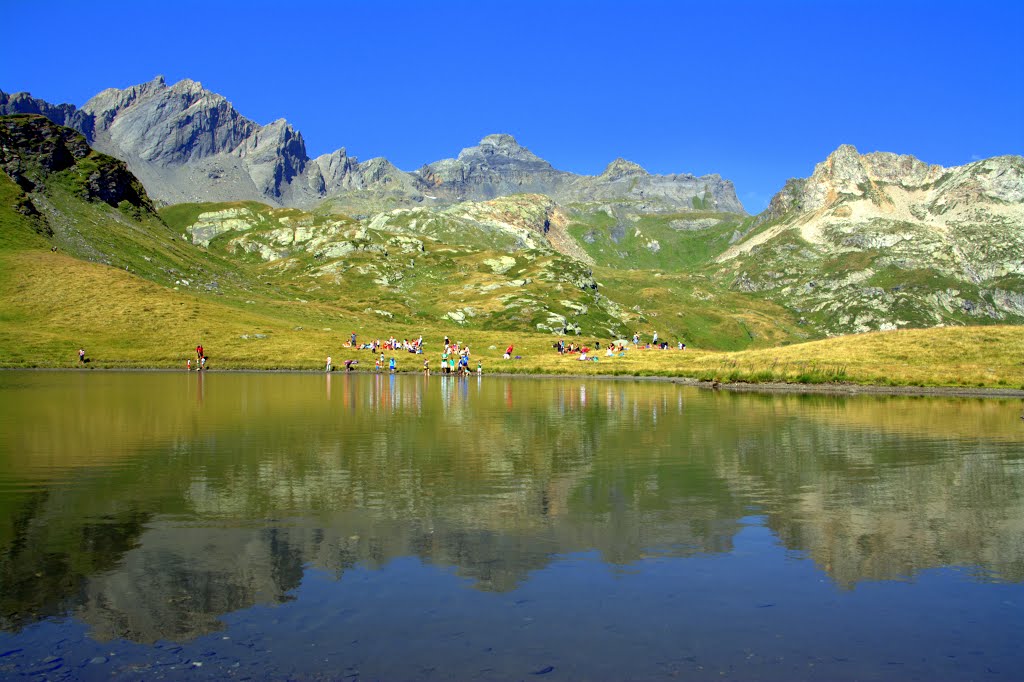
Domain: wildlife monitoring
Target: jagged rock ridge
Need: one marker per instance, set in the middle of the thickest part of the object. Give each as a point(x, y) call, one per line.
point(188, 144)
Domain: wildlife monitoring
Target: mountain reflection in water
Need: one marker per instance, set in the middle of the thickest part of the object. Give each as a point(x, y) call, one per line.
point(149, 505)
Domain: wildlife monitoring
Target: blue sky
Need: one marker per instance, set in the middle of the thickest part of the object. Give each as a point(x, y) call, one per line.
point(755, 91)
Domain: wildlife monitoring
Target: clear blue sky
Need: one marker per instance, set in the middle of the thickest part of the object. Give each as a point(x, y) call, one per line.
point(755, 91)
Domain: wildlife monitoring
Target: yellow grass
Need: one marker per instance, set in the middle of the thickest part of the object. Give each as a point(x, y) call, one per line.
point(53, 304)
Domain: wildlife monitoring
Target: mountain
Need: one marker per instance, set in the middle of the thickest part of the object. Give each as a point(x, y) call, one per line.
point(867, 242)
point(188, 144)
point(499, 166)
point(879, 241)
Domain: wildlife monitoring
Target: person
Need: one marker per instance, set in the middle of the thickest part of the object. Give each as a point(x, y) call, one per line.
point(654, 341)
point(349, 364)
point(391, 365)
point(610, 353)
point(188, 365)
point(426, 367)
point(353, 339)
point(328, 364)
point(479, 367)
point(379, 364)
point(81, 356)
point(447, 341)
point(508, 351)
point(199, 352)
point(202, 363)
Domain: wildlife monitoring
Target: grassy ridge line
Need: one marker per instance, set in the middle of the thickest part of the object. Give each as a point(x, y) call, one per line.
point(53, 304)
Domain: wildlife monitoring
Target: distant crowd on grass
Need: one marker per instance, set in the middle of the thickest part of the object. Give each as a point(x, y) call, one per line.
point(455, 356)
point(617, 347)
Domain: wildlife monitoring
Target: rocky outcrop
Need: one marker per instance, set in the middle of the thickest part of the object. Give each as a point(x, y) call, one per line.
point(33, 148)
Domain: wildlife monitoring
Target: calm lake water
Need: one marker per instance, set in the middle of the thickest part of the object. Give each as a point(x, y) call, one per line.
point(267, 526)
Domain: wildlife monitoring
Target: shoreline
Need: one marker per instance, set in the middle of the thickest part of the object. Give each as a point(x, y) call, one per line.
point(844, 389)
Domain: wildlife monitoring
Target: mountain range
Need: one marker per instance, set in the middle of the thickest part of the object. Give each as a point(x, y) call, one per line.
point(188, 144)
point(497, 238)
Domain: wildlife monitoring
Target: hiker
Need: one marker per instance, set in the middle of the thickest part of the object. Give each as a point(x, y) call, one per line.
point(508, 351)
point(199, 352)
point(328, 369)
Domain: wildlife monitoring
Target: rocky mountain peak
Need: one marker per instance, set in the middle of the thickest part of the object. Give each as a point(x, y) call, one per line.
point(502, 146)
point(845, 168)
point(621, 168)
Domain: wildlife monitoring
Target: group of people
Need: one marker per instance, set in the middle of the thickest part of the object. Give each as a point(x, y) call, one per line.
point(376, 345)
point(200, 359)
point(454, 359)
point(662, 345)
point(616, 347)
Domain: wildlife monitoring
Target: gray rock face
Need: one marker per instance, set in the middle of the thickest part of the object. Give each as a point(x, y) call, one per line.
point(188, 144)
point(500, 166)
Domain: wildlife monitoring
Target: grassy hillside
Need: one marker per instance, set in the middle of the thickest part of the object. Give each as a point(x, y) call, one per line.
point(53, 303)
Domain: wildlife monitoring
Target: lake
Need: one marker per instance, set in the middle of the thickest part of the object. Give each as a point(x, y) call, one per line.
point(360, 527)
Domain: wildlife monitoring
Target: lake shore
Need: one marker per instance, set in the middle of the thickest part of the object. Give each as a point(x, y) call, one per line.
point(737, 386)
